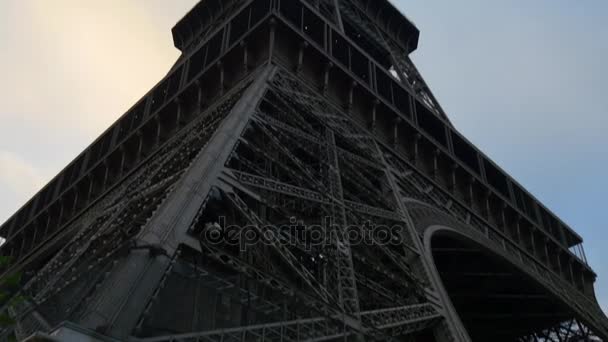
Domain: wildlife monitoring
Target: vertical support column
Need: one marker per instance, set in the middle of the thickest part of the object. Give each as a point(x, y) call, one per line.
point(243, 45)
point(345, 272)
point(372, 123)
point(533, 240)
point(61, 211)
point(559, 263)
point(452, 186)
point(220, 65)
point(395, 137)
point(503, 217)
point(545, 242)
point(486, 204)
point(158, 131)
point(75, 202)
point(106, 171)
point(199, 97)
point(90, 188)
point(303, 46)
point(140, 145)
point(48, 225)
point(511, 192)
point(584, 255)
point(470, 184)
point(482, 167)
point(435, 172)
point(412, 105)
point(328, 67)
point(22, 247)
point(415, 158)
point(351, 94)
point(273, 28)
point(339, 15)
point(35, 226)
point(571, 271)
point(518, 227)
point(178, 115)
point(123, 156)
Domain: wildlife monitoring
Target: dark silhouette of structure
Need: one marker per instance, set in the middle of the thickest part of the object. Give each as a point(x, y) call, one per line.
point(293, 178)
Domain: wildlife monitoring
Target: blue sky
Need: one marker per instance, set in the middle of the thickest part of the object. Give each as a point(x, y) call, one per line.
point(524, 80)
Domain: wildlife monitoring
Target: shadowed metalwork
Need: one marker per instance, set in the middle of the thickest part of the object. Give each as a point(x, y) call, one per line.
point(287, 113)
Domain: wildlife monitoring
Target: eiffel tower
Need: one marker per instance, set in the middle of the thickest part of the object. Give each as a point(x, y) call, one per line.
point(293, 178)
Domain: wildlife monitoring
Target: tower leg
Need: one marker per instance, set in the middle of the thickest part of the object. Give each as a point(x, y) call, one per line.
point(124, 295)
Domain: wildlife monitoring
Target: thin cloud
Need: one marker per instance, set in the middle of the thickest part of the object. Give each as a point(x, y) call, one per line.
point(79, 72)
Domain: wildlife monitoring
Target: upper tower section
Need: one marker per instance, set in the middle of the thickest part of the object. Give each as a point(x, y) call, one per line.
point(202, 20)
point(373, 24)
point(356, 54)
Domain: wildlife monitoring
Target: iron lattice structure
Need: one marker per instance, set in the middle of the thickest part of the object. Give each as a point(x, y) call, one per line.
point(293, 178)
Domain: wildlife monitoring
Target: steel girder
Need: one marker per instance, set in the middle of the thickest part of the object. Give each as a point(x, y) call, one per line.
point(269, 178)
point(271, 152)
